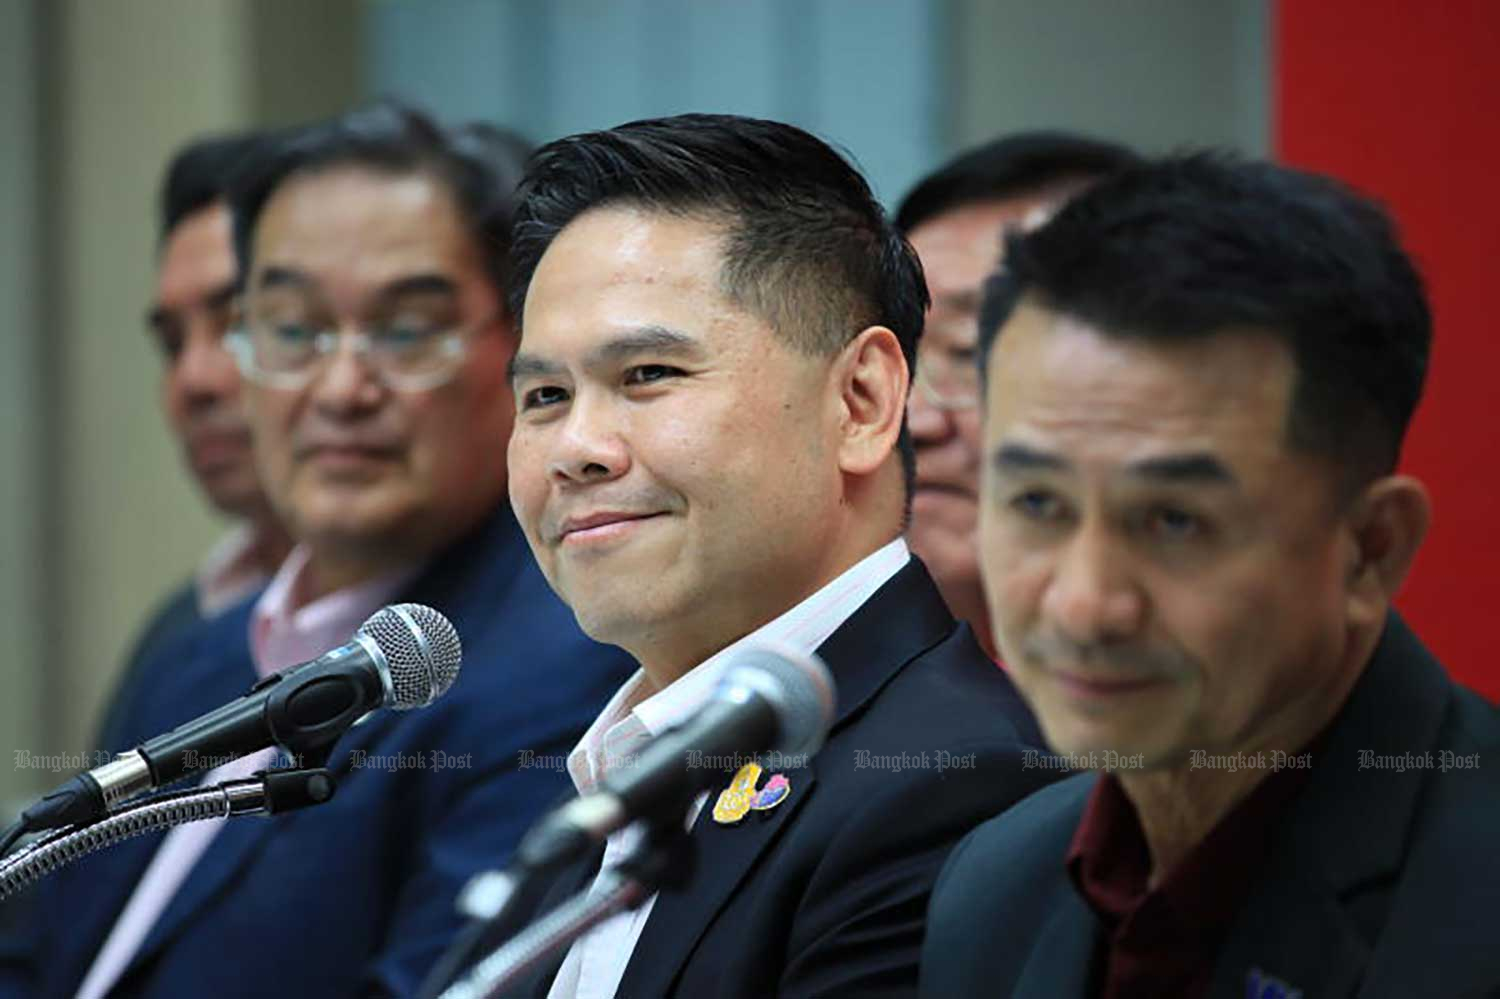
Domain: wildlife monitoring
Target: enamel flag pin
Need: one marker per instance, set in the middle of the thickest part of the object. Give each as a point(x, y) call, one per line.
point(1259, 985)
point(741, 797)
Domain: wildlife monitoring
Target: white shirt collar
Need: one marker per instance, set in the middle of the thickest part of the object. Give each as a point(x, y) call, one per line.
point(631, 719)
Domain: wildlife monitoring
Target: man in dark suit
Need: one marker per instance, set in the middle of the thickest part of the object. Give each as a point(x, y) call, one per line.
point(374, 344)
point(1199, 375)
point(709, 451)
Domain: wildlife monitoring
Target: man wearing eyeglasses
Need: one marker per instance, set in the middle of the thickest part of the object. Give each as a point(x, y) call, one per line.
point(954, 218)
point(374, 339)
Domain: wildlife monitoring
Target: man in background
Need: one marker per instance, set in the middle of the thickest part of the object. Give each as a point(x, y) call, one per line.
point(955, 218)
point(1199, 377)
point(200, 393)
point(373, 337)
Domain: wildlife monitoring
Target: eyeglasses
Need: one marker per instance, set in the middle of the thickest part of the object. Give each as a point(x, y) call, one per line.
point(290, 354)
point(946, 381)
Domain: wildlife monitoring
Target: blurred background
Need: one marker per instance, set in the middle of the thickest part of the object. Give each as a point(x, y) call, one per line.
point(98, 520)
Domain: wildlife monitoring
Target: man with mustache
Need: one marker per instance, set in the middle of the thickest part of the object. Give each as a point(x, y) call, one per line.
point(955, 218)
point(1198, 376)
point(717, 323)
point(373, 339)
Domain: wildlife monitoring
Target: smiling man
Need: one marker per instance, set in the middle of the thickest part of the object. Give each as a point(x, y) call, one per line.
point(374, 342)
point(1198, 379)
point(955, 218)
point(709, 450)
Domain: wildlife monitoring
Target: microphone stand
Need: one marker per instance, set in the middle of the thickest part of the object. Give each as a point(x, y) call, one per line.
point(267, 792)
point(664, 859)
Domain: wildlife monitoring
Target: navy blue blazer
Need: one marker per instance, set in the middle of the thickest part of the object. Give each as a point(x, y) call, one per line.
point(1377, 883)
point(177, 614)
point(356, 896)
point(824, 895)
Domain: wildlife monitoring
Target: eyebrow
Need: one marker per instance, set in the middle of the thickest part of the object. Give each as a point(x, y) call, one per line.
point(1191, 468)
point(158, 315)
point(641, 339)
point(431, 283)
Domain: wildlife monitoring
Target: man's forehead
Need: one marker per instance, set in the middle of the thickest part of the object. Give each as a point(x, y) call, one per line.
point(615, 269)
point(1058, 374)
point(350, 214)
point(629, 242)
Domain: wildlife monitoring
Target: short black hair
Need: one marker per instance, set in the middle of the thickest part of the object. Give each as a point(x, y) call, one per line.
point(806, 245)
point(1192, 245)
point(200, 173)
point(1010, 166)
point(478, 163)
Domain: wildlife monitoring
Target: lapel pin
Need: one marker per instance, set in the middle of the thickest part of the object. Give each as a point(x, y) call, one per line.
point(742, 797)
point(1259, 985)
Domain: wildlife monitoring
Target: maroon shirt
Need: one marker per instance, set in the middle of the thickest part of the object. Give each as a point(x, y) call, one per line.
point(1164, 941)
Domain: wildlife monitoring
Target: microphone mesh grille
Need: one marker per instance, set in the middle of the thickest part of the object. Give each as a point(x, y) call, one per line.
point(421, 650)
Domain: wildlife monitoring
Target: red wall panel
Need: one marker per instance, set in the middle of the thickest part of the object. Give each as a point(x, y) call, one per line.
point(1403, 101)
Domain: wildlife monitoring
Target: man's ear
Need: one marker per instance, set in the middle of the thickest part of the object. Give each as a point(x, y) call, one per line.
point(1388, 523)
point(872, 384)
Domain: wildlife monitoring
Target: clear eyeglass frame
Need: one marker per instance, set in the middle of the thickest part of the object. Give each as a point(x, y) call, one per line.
point(450, 347)
point(947, 390)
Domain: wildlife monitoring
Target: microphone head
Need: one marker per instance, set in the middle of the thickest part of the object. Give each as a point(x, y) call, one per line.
point(796, 684)
point(421, 651)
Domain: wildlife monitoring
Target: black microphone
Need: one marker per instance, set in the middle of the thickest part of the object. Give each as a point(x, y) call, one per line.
point(772, 699)
point(405, 656)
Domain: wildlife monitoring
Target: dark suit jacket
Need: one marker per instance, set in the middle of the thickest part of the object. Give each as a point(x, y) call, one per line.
point(824, 894)
point(176, 615)
point(356, 895)
point(1377, 883)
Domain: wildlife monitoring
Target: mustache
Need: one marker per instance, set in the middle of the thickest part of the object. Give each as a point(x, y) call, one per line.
point(1115, 660)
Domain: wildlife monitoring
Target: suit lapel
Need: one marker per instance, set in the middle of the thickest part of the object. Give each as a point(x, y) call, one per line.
point(721, 859)
point(902, 620)
point(1295, 934)
point(1062, 959)
point(1347, 829)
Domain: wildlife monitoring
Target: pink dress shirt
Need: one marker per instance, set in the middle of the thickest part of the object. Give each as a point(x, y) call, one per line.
point(282, 634)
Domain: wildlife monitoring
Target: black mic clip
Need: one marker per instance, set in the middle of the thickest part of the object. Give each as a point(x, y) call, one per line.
point(289, 790)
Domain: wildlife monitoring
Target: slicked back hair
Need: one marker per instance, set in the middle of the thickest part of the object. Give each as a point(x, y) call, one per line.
point(1193, 245)
point(201, 173)
point(479, 165)
point(1012, 166)
point(806, 246)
